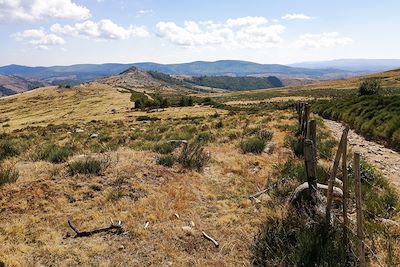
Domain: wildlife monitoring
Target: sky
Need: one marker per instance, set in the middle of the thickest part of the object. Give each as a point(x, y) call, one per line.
point(65, 32)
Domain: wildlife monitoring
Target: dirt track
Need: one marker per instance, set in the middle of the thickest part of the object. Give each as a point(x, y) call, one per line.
point(384, 159)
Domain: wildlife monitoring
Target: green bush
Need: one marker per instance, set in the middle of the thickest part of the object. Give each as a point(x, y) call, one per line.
point(88, 165)
point(265, 135)
point(166, 160)
point(8, 175)
point(7, 149)
point(54, 153)
point(369, 87)
point(253, 145)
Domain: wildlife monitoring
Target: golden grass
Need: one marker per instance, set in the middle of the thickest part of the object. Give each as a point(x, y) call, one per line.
point(78, 105)
point(34, 210)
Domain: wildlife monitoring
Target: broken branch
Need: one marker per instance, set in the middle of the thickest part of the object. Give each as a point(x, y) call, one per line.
point(211, 239)
point(113, 228)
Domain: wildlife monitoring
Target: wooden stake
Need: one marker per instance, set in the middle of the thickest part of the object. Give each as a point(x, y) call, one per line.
point(305, 120)
point(332, 176)
point(312, 135)
point(360, 223)
point(311, 166)
point(345, 181)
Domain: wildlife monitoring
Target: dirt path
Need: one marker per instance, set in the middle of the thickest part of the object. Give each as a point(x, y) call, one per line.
point(384, 159)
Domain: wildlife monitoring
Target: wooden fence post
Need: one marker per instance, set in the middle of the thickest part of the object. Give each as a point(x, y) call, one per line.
point(305, 120)
point(345, 181)
point(332, 176)
point(311, 167)
point(360, 219)
point(312, 135)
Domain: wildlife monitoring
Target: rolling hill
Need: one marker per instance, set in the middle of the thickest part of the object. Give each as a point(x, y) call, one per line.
point(368, 65)
point(86, 72)
point(11, 84)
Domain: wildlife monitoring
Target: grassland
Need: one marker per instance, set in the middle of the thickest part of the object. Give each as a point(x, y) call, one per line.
point(83, 154)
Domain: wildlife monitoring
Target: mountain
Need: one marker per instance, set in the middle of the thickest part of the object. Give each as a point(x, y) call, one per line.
point(75, 74)
point(11, 84)
point(358, 65)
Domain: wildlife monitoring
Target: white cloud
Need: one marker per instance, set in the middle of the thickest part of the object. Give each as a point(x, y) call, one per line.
point(246, 32)
point(103, 29)
point(145, 12)
point(39, 38)
point(296, 16)
point(322, 40)
point(31, 10)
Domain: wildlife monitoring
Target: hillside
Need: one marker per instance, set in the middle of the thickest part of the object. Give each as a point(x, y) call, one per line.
point(11, 84)
point(75, 74)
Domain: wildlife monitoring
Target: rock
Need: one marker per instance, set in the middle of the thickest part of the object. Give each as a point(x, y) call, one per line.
point(188, 230)
point(94, 135)
point(121, 247)
point(78, 130)
point(270, 147)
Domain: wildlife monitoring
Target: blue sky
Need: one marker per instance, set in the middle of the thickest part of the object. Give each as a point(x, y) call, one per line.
point(63, 32)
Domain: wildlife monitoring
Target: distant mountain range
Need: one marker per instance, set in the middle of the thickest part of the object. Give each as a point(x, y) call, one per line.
point(86, 72)
point(294, 74)
point(362, 65)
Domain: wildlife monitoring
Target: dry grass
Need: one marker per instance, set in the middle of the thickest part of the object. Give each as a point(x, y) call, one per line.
point(78, 105)
point(134, 189)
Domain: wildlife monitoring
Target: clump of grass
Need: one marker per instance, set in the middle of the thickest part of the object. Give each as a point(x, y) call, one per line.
point(147, 118)
point(7, 149)
point(298, 241)
point(54, 153)
point(114, 194)
point(193, 156)
point(8, 175)
point(204, 137)
point(164, 148)
point(253, 145)
point(88, 165)
point(265, 135)
point(166, 160)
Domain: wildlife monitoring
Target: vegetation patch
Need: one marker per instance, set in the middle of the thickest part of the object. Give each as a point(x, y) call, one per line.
point(88, 165)
point(376, 117)
point(8, 175)
point(166, 160)
point(253, 145)
point(54, 153)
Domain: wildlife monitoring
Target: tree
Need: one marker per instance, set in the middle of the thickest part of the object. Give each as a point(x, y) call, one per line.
point(369, 87)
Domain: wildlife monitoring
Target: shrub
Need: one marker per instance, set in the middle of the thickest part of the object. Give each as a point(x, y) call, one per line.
point(7, 149)
point(54, 153)
point(88, 166)
point(166, 160)
point(8, 175)
point(164, 148)
point(193, 156)
point(265, 135)
point(253, 145)
point(369, 87)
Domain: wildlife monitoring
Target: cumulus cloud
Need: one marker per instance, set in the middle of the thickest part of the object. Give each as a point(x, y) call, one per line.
point(39, 38)
point(32, 10)
point(103, 29)
point(296, 16)
point(322, 40)
point(246, 32)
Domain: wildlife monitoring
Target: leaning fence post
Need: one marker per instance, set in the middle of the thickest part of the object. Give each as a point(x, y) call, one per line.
point(332, 176)
point(360, 223)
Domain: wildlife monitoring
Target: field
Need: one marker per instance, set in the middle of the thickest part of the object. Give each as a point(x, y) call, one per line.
point(84, 154)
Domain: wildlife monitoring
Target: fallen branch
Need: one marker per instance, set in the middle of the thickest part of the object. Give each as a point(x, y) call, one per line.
point(211, 239)
point(113, 228)
point(258, 194)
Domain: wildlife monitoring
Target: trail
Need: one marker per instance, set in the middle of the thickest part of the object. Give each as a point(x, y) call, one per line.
point(384, 159)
